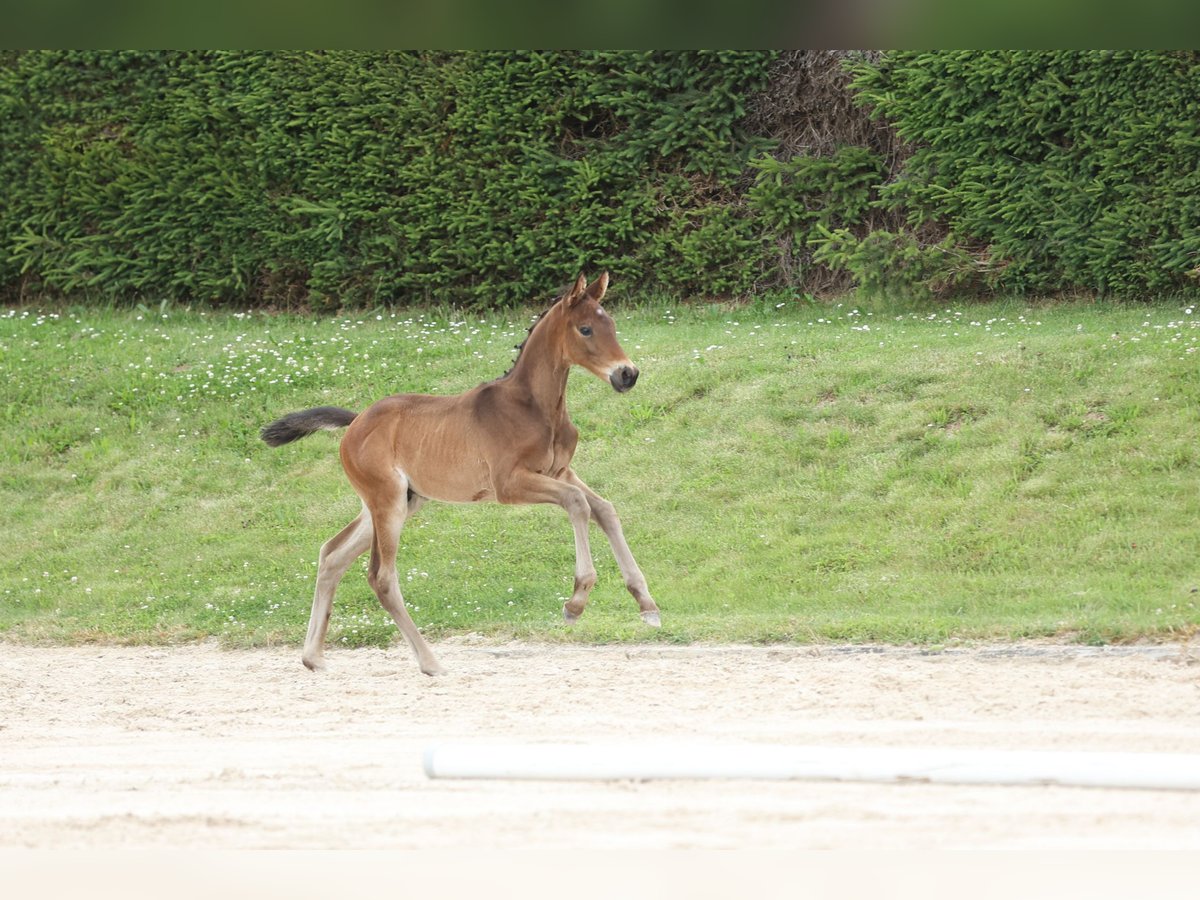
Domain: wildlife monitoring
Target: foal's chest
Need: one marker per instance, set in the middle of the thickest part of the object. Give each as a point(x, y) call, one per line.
point(560, 449)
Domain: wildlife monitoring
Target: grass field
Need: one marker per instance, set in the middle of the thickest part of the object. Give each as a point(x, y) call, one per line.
point(796, 472)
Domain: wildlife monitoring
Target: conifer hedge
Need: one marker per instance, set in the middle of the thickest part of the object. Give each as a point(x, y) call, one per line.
point(1062, 170)
point(472, 178)
point(484, 179)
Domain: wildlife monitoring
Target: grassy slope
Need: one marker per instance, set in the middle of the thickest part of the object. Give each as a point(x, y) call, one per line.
point(794, 473)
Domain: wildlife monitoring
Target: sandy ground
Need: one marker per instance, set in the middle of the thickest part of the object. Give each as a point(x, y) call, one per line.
point(113, 747)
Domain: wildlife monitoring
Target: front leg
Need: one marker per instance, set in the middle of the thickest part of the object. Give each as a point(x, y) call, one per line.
point(606, 517)
point(523, 486)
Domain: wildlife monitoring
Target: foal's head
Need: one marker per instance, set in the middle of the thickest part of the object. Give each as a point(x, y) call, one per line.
point(590, 337)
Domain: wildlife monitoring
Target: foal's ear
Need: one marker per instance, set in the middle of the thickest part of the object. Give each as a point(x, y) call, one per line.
point(575, 294)
point(598, 287)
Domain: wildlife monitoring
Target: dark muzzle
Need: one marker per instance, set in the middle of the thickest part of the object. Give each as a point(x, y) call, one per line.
point(623, 378)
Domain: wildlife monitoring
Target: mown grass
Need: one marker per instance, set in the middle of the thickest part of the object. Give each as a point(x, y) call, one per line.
point(785, 473)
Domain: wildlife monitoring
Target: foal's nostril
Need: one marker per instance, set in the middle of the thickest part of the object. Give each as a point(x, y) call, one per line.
point(623, 378)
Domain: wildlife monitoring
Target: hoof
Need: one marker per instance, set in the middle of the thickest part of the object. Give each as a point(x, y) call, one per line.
point(314, 663)
point(652, 618)
point(433, 671)
point(569, 617)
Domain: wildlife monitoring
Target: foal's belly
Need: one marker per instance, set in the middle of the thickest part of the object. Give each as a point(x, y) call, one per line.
point(464, 485)
point(445, 470)
point(425, 439)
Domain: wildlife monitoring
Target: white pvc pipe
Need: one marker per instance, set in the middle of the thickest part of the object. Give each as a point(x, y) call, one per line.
point(611, 762)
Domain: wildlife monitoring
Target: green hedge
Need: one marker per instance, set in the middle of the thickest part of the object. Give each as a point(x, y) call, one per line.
point(1064, 170)
point(484, 179)
point(473, 178)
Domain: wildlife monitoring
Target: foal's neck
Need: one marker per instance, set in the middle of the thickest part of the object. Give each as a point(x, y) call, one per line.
point(540, 372)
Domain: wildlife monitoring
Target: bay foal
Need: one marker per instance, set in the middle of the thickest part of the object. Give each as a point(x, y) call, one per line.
point(508, 440)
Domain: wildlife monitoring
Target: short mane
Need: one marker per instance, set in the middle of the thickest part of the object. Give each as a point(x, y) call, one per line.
point(520, 348)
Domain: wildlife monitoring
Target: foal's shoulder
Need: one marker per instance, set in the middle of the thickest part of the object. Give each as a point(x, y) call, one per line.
point(495, 400)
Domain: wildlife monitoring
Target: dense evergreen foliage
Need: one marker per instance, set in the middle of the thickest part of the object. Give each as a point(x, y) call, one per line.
point(1074, 170)
point(484, 179)
point(473, 178)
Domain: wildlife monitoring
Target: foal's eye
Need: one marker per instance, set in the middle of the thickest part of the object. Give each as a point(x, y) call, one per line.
point(585, 330)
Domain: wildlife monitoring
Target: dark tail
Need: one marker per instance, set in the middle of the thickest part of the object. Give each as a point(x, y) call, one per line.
point(296, 425)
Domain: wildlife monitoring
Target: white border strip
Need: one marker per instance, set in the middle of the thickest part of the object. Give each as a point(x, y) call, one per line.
point(618, 762)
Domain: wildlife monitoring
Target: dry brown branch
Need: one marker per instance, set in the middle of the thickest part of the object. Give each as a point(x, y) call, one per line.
point(808, 109)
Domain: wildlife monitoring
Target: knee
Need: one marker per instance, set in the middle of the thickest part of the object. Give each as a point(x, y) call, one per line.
point(576, 504)
point(603, 511)
point(375, 574)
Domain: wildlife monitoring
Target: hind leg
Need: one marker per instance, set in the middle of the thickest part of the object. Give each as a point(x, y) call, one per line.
point(337, 555)
point(389, 511)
